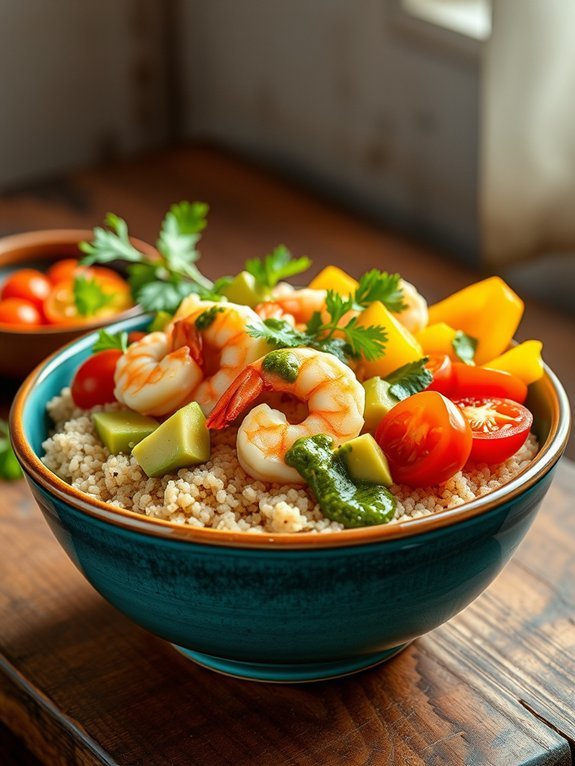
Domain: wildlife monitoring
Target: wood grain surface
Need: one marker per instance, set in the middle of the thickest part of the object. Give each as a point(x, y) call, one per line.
point(83, 685)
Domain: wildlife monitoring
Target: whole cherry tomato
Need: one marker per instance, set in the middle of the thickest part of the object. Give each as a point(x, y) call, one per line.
point(499, 427)
point(17, 311)
point(440, 366)
point(29, 285)
point(63, 270)
point(481, 381)
point(93, 382)
point(425, 438)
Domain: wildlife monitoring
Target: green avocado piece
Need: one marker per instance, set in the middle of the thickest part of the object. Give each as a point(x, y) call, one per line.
point(121, 431)
point(159, 322)
point(365, 461)
point(244, 290)
point(182, 440)
point(378, 402)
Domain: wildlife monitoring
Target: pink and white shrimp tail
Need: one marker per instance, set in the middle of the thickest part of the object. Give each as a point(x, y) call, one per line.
point(334, 397)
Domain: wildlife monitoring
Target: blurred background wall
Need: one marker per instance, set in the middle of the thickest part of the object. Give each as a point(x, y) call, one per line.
point(449, 119)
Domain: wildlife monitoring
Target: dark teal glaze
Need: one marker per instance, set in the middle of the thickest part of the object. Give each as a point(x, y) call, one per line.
point(281, 614)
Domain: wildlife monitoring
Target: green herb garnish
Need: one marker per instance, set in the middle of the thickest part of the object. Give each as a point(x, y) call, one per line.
point(9, 465)
point(89, 296)
point(409, 379)
point(380, 286)
point(107, 341)
point(464, 347)
point(278, 265)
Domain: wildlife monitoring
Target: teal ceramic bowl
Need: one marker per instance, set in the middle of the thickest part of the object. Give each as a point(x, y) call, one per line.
point(287, 607)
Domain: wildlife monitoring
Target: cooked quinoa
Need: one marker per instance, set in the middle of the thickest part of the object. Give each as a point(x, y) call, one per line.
point(219, 494)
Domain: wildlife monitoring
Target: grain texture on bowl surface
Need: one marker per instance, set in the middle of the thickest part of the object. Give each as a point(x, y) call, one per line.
point(220, 495)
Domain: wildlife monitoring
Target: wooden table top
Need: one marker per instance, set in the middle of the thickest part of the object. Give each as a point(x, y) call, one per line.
point(83, 685)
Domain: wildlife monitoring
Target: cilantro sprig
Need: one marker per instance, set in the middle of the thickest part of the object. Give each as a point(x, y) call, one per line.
point(409, 379)
point(9, 466)
point(380, 286)
point(464, 347)
point(107, 340)
point(277, 265)
point(89, 296)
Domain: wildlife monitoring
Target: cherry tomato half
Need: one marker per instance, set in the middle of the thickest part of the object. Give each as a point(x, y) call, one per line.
point(500, 427)
point(481, 381)
point(63, 270)
point(29, 285)
point(426, 439)
point(440, 366)
point(94, 379)
point(60, 307)
point(17, 311)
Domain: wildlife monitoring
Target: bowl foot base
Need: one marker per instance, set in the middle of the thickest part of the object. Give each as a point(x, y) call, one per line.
point(289, 674)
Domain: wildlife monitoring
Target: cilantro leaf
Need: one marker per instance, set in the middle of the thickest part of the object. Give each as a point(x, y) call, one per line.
point(107, 340)
point(337, 307)
point(464, 347)
point(380, 286)
point(9, 465)
point(110, 245)
point(159, 295)
point(277, 265)
point(368, 342)
point(409, 379)
point(278, 333)
point(179, 235)
point(89, 296)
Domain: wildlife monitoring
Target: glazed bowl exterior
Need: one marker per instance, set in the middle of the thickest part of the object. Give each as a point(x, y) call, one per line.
point(21, 347)
point(284, 607)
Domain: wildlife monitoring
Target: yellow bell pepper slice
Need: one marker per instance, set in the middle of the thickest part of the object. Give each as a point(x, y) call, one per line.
point(437, 339)
point(524, 361)
point(488, 310)
point(401, 347)
point(332, 278)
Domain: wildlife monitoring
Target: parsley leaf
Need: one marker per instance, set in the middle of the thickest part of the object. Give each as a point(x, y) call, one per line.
point(278, 333)
point(409, 379)
point(110, 245)
point(179, 235)
point(159, 295)
point(277, 265)
point(9, 465)
point(380, 286)
point(464, 347)
point(107, 340)
point(89, 296)
point(367, 342)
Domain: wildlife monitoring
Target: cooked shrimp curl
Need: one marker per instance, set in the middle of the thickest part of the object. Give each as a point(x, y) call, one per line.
point(334, 397)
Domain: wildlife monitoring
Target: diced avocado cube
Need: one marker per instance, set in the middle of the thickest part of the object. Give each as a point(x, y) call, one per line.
point(182, 440)
point(159, 322)
point(378, 402)
point(244, 290)
point(121, 431)
point(365, 460)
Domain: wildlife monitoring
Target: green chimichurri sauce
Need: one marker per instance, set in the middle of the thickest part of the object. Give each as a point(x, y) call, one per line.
point(283, 363)
point(340, 499)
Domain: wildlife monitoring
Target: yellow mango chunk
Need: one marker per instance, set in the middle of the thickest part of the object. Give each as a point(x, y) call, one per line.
point(488, 310)
point(437, 339)
point(524, 361)
point(332, 278)
point(401, 346)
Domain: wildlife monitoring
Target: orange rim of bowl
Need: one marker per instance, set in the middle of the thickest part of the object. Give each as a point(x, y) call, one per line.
point(549, 453)
point(42, 241)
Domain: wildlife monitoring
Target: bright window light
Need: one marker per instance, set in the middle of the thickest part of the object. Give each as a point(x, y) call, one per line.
point(467, 17)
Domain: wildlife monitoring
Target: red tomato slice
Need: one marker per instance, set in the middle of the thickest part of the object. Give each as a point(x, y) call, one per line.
point(440, 366)
point(500, 427)
point(481, 381)
point(29, 285)
point(17, 311)
point(426, 439)
point(94, 379)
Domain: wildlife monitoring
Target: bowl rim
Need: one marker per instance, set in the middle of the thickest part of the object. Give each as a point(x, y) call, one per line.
point(548, 455)
point(46, 238)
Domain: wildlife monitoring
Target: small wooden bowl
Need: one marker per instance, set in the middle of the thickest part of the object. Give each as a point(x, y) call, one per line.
point(22, 348)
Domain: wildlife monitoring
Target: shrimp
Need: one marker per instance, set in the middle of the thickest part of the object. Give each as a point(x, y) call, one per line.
point(217, 337)
point(295, 306)
point(334, 397)
point(153, 378)
point(415, 316)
